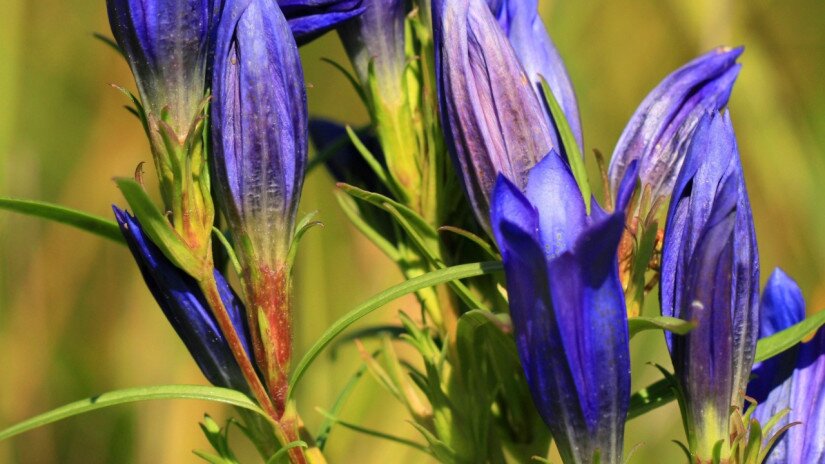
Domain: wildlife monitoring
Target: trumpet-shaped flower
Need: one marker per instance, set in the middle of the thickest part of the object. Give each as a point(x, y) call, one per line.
point(493, 120)
point(659, 132)
point(567, 306)
point(184, 305)
point(710, 275)
point(791, 380)
point(259, 127)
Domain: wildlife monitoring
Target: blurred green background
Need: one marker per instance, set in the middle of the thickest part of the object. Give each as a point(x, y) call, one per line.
point(76, 320)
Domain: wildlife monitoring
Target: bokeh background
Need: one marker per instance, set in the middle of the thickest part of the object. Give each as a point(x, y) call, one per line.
point(76, 320)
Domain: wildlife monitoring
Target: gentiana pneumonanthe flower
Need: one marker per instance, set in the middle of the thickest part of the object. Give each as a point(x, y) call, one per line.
point(710, 275)
point(568, 307)
point(659, 132)
point(537, 53)
point(493, 120)
point(792, 380)
point(259, 128)
point(184, 305)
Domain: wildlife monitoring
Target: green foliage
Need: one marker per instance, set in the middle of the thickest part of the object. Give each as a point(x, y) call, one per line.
point(132, 395)
point(72, 217)
point(440, 276)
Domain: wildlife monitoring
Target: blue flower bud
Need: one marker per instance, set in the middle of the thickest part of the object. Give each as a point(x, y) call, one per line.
point(792, 379)
point(309, 19)
point(184, 305)
point(567, 306)
point(525, 29)
point(659, 132)
point(259, 128)
point(167, 44)
point(376, 38)
point(493, 120)
point(710, 275)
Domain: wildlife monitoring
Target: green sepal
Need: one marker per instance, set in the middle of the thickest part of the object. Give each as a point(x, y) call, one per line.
point(670, 324)
point(159, 230)
point(571, 147)
point(304, 225)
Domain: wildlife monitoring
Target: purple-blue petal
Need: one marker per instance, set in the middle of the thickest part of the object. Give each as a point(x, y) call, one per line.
point(568, 308)
point(492, 118)
point(167, 44)
point(710, 274)
point(376, 38)
point(562, 214)
point(259, 126)
point(658, 134)
point(309, 19)
point(792, 380)
point(184, 305)
point(525, 29)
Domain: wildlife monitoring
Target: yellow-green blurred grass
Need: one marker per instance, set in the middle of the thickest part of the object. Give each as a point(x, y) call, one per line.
point(75, 319)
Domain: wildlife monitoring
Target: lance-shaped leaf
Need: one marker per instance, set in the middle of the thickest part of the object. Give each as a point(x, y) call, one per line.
point(525, 29)
point(567, 307)
point(493, 120)
point(167, 44)
point(793, 380)
point(658, 134)
point(259, 127)
point(710, 275)
point(184, 305)
point(310, 19)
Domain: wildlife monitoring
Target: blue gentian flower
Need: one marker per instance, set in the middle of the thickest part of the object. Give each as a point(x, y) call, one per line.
point(493, 121)
point(567, 306)
point(259, 128)
point(792, 379)
point(167, 44)
point(534, 48)
point(309, 19)
point(710, 275)
point(184, 305)
point(659, 132)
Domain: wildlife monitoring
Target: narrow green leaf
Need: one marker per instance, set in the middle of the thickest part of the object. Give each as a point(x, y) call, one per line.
point(380, 201)
point(72, 217)
point(158, 228)
point(355, 215)
point(132, 395)
point(423, 281)
point(671, 324)
point(647, 399)
point(282, 453)
point(571, 147)
point(372, 433)
point(337, 406)
point(769, 347)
